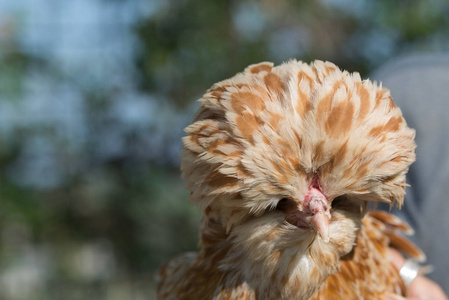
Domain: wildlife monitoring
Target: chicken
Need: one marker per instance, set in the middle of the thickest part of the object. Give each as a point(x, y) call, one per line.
point(283, 163)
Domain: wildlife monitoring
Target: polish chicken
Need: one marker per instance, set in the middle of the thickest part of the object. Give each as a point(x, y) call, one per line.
point(284, 163)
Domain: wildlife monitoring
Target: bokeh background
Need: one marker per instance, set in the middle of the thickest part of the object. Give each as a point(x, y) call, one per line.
point(94, 95)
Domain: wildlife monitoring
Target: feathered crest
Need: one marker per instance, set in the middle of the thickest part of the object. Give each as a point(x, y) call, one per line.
point(266, 132)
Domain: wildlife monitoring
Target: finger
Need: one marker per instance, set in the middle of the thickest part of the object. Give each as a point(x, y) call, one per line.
point(390, 296)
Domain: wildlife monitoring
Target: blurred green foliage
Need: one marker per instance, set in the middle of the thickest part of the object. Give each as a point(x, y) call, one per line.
point(91, 202)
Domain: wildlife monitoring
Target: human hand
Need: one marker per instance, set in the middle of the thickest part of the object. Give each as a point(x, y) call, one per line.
point(421, 288)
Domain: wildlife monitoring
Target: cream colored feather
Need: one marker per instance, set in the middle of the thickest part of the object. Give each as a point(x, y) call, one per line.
point(289, 132)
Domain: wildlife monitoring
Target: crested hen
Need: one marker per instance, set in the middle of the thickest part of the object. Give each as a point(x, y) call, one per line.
point(283, 162)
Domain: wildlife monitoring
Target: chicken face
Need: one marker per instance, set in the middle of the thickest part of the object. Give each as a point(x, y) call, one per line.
point(283, 158)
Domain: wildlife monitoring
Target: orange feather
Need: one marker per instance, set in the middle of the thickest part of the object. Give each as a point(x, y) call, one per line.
point(259, 144)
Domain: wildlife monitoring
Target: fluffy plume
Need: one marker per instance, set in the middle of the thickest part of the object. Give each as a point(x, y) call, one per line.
point(282, 162)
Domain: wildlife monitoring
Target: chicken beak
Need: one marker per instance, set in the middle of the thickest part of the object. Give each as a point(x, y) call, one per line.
point(314, 213)
point(318, 206)
point(320, 222)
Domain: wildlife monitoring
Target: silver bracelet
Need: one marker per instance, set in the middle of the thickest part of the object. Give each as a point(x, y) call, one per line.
point(409, 271)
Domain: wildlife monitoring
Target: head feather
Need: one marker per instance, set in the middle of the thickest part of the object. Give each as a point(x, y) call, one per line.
point(267, 132)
